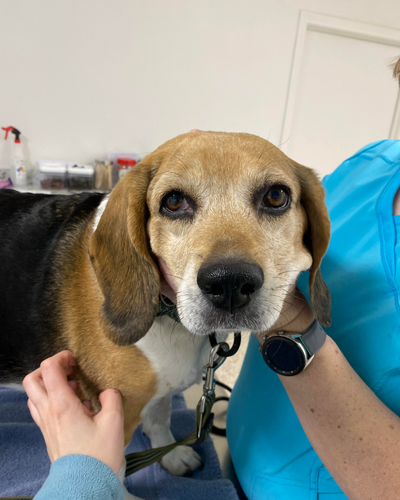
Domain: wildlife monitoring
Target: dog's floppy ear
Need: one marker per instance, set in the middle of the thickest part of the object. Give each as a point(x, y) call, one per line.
point(121, 257)
point(317, 239)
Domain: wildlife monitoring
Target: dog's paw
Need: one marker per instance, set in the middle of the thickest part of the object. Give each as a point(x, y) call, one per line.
point(181, 460)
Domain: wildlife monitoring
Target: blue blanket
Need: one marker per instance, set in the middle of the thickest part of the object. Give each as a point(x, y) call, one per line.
point(24, 463)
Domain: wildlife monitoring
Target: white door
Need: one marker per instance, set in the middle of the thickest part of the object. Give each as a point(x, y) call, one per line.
point(341, 95)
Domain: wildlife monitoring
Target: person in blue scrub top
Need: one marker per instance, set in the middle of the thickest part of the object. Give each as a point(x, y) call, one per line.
point(332, 431)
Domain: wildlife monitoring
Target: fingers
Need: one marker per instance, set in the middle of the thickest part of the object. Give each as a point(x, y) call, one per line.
point(49, 390)
point(87, 404)
point(65, 360)
point(34, 387)
point(111, 402)
point(54, 374)
point(73, 384)
point(34, 413)
point(111, 399)
point(51, 380)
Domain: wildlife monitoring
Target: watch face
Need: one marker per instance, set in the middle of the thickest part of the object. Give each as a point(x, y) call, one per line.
point(284, 355)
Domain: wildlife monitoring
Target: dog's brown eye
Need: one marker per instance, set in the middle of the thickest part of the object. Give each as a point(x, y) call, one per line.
point(174, 202)
point(177, 205)
point(276, 197)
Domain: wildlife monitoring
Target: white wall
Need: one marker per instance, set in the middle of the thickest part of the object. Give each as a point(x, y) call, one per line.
point(82, 77)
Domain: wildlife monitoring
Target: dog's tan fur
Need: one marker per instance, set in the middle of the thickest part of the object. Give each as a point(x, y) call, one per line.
point(102, 363)
point(114, 270)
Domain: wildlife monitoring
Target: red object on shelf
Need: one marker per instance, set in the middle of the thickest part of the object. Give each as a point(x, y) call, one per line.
point(124, 165)
point(126, 162)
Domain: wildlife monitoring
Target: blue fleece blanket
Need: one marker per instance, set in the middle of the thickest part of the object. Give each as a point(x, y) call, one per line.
point(24, 463)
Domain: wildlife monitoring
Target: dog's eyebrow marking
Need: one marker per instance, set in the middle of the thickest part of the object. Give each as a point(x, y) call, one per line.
point(169, 174)
point(169, 182)
point(167, 185)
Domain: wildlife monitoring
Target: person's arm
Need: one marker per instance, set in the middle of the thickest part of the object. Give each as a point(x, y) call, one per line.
point(81, 477)
point(354, 434)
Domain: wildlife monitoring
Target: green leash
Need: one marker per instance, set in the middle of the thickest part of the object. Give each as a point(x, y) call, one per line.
point(204, 418)
point(141, 459)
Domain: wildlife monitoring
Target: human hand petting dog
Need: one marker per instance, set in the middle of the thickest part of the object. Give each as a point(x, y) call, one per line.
point(67, 425)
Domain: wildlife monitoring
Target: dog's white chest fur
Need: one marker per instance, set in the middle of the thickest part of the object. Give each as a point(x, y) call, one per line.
point(177, 356)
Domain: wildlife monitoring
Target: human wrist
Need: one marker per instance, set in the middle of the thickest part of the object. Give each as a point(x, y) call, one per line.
point(289, 353)
point(320, 365)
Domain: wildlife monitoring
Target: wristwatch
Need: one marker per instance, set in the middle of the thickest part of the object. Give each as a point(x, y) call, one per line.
point(291, 354)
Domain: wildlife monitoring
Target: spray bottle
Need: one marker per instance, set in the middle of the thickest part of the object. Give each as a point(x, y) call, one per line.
point(19, 159)
point(5, 180)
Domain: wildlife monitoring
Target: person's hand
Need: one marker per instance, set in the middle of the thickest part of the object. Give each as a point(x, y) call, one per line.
point(67, 425)
point(296, 316)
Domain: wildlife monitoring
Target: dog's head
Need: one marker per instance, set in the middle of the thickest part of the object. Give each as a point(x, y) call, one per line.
point(234, 219)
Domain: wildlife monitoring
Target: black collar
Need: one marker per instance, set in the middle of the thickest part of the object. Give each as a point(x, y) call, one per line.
point(167, 308)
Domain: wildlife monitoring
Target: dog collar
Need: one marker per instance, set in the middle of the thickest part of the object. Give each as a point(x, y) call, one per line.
point(167, 308)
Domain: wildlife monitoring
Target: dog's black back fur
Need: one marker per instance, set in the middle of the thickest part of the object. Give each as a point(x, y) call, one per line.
point(33, 228)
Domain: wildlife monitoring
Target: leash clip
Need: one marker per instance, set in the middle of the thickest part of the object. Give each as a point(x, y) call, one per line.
point(225, 352)
point(215, 361)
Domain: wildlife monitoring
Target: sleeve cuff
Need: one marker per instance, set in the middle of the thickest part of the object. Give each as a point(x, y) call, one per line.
point(81, 477)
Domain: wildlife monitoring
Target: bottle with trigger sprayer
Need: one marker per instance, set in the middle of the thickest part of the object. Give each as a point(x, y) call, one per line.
point(19, 158)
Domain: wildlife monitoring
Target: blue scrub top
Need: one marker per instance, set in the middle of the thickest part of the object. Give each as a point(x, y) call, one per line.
point(271, 453)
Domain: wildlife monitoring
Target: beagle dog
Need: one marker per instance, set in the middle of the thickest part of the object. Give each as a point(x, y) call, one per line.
point(234, 220)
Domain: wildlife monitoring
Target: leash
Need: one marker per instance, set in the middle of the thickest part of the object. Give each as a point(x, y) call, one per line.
point(204, 416)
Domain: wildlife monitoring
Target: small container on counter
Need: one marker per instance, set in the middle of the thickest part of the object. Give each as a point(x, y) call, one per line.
point(124, 165)
point(114, 156)
point(80, 177)
point(103, 175)
point(53, 174)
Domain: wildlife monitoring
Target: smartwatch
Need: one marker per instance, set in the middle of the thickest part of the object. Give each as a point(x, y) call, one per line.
point(291, 354)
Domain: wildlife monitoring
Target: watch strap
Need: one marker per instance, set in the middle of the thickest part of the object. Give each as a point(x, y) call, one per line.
point(313, 338)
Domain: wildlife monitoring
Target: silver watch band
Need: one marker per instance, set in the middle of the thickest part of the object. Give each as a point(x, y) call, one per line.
point(313, 338)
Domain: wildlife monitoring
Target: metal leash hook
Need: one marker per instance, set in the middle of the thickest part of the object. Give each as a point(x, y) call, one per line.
point(226, 353)
point(209, 383)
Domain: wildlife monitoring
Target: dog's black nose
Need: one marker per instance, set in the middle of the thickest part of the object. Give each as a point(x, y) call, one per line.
point(230, 286)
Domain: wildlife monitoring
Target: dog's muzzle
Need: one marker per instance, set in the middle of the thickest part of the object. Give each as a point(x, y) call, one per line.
point(230, 286)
